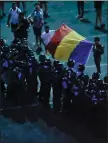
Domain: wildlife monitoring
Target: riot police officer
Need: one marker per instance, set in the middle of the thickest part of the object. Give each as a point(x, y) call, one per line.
point(83, 80)
point(69, 78)
point(70, 70)
point(106, 79)
point(91, 88)
point(44, 73)
point(95, 77)
point(57, 74)
point(98, 50)
point(81, 76)
point(70, 64)
point(30, 71)
point(14, 90)
point(42, 58)
point(2, 42)
point(105, 84)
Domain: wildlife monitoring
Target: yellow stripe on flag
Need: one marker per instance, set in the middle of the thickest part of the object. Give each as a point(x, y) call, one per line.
point(67, 45)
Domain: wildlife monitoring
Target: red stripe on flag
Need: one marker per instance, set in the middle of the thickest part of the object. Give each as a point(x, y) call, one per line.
point(56, 39)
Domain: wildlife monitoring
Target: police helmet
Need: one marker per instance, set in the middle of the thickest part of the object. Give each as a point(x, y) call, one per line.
point(106, 79)
point(90, 81)
point(55, 63)
point(70, 63)
point(31, 59)
point(49, 62)
point(100, 83)
point(59, 66)
point(6, 49)
point(95, 75)
point(96, 39)
point(46, 62)
point(42, 58)
point(81, 67)
point(105, 86)
point(2, 42)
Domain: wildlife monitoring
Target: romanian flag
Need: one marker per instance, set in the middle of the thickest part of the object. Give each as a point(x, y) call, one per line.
point(66, 43)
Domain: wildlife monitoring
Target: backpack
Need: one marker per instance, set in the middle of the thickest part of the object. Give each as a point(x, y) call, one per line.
point(17, 10)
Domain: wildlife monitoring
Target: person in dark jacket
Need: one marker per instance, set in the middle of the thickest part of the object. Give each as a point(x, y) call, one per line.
point(22, 29)
point(57, 74)
point(45, 75)
point(98, 50)
point(68, 80)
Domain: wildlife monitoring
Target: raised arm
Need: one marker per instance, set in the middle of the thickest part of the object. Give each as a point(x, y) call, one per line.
point(30, 17)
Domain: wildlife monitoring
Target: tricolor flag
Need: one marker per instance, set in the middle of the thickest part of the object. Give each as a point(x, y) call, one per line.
point(66, 43)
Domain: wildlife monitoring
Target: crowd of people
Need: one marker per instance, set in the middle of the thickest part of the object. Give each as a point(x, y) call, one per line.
point(22, 74)
point(38, 16)
point(18, 21)
point(20, 25)
point(98, 7)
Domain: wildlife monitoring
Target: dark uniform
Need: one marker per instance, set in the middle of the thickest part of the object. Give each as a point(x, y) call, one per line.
point(106, 79)
point(95, 77)
point(106, 84)
point(69, 78)
point(22, 32)
point(44, 73)
point(2, 42)
point(90, 89)
point(82, 80)
point(31, 78)
point(98, 50)
point(13, 86)
point(68, 81)
point(81, 76)
point(57, 74)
